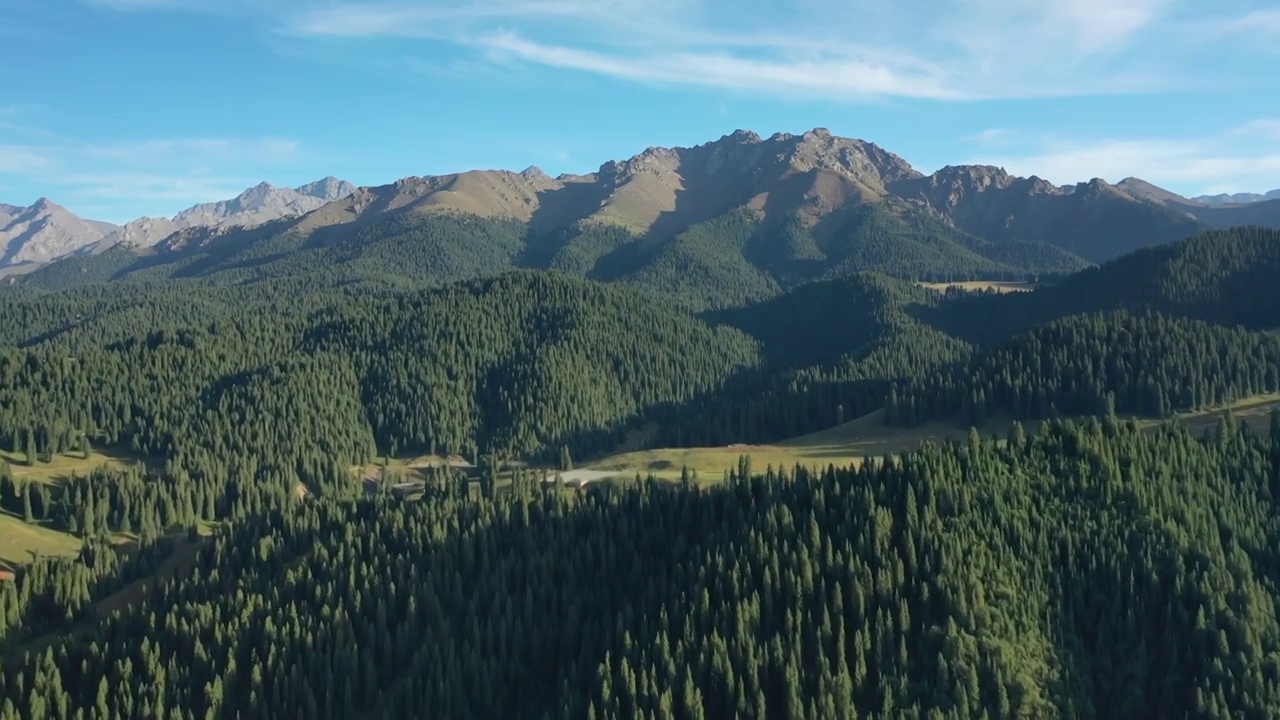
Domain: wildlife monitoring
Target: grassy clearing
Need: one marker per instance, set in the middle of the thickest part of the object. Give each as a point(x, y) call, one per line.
point(999, 286)
point(850, 443)
point(843, 445)
point(411, 468)
point(19, 542)
point(1254, 411)
point(65, 465)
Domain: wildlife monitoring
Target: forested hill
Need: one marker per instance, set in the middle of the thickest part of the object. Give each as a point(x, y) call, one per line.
point(1226, 277)
point(214, 434)
point(531, 361)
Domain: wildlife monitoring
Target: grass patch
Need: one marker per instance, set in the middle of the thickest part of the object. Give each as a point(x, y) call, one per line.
point(842, 446)
point(1254, 411)
point(20, 542)
point(868, 436)
point(408, 468)
point(999, 286)
point(63, 466)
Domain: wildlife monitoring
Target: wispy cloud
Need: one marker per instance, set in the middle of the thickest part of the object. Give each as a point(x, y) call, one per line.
point(816, 53)
point(1245, 158)
point(991, 136)
point(186, 189)
point(119, 180)
point(136, 5)
point(1268, 128)
point(847, 76)
point(161, 150)
point(830, 49)
point(17, 159)
point(1265, 22)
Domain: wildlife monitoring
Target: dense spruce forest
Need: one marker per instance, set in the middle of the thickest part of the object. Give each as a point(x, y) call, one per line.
point(232, 563)
point(1082, 572)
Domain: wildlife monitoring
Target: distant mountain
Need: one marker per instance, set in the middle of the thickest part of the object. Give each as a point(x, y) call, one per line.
point(1262, 211)
point(1237, 198)
point(259, 204)
point(43, 232)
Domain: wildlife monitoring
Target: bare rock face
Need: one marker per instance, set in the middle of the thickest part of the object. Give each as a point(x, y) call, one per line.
point(262, 203)
point(145, 231)
point(259, 204)
point(44, 232)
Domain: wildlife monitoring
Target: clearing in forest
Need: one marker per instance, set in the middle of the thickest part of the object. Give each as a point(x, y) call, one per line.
point(842, 445)
point(64, 465)
point(20, 541)
point(868, 436)
point(1000, 286)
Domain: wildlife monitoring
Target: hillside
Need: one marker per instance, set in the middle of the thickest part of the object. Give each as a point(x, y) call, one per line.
point(1098, 364)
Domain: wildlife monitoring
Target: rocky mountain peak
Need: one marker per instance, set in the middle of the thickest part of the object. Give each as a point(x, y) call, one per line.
point(860, 160)
point(980, 177)
point(533, 173)
point(743, 136)
point(45, 231)
point(328, 188)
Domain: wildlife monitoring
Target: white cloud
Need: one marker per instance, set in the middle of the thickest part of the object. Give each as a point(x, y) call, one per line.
point(1221, 163)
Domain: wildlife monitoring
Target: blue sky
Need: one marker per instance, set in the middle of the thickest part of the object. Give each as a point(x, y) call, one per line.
point(120, 108)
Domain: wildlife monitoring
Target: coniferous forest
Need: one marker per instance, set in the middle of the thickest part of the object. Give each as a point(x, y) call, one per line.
point(1103, 561)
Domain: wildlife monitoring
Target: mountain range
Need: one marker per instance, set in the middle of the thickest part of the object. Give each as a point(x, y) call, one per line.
point(45, 231)
point(1237, 198)
point(798, 206)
